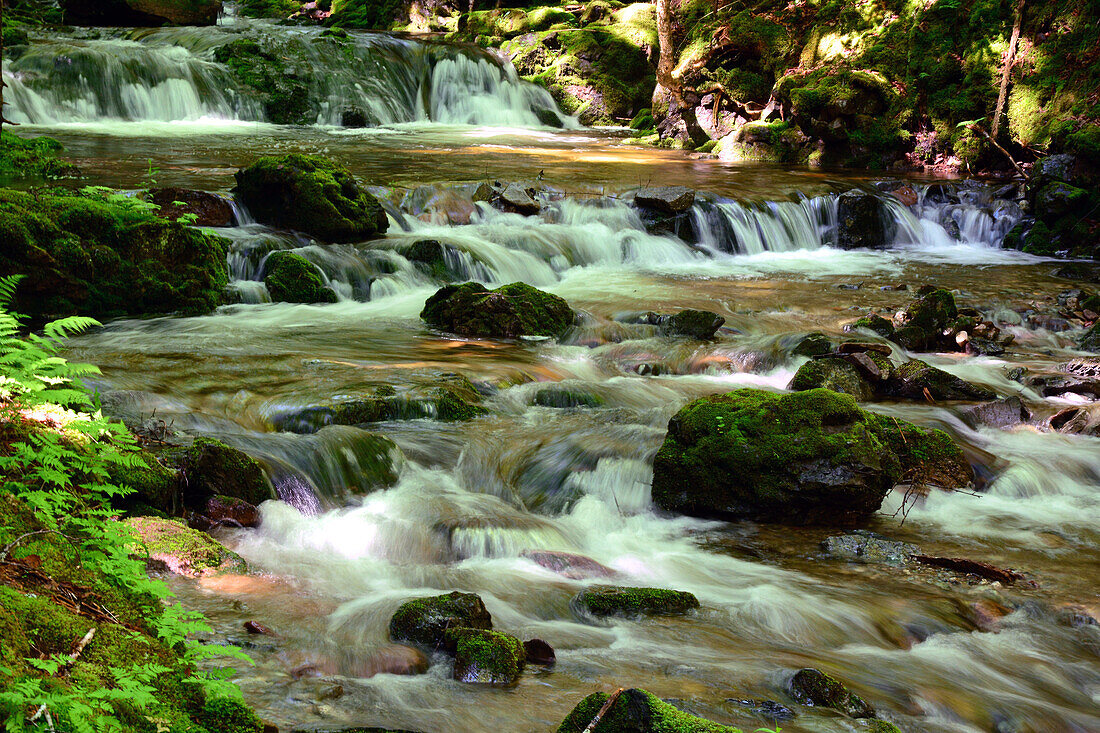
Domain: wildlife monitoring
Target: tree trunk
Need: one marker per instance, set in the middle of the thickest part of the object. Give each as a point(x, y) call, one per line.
point(666, 80)
point(1010, 59)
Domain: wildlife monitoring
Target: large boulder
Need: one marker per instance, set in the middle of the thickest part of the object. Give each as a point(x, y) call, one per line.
point(510, 311)
point(665, 199)
point(291, 278)
point(174, 547)
point(810, 457)
point(636, 711)
point(485, 657)
point(424, 622)
point(311, 195)
point(863, 221)
point(106, 256)
point(137, 13)
point(613, 600)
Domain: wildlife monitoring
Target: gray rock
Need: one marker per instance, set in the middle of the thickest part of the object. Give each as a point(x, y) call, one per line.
point(869, 547)
point(517, 199)
point(666, 199)
point(1005, 413)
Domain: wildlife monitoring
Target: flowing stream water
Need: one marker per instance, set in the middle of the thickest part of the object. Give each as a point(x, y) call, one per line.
point(472, 497)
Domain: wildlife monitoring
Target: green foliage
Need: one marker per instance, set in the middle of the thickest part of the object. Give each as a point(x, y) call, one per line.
point(57, 454)
point(269, 8)
point(22, 158)
point(371, 14)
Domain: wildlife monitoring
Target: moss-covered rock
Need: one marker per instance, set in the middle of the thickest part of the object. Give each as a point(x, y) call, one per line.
point(813, 344)
point(434, 258)
point(312, 195)
point(153, 485)
point(424, 621)
point(863, 222)
point(179, 549)
point(694, 324)
point(226, 715)
point(835, 373)
point(566, 398)
point(810, 457)
point(613, 600)
point(913, 378)
point(212, 468)
point(509, 311)
point(282, 90)
point(485, 657)
point(104, 256)
point(813, 687)
point(636, 711)
point(291, 278)
point(874, 322)
point(32, 158)
point(1090, 340)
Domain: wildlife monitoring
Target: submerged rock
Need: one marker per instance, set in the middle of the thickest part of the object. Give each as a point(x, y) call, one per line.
point(613, 600)
point(569, 565)
point(813, 687)
point(636, 711)
point(291, 278)
point(311, 195)
point(810, 457)
point(425, 621)
point(452, 400)
point(566, 398)
point(184, 551)
point(694, 324)
point(485, 657)
point(509, 311)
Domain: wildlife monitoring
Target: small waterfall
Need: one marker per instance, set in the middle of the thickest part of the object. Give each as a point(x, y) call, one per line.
point(171, 75)
point(774, 226)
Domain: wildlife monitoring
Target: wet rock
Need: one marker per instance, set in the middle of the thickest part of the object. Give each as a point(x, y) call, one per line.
point(1090, 340)
point(209, 209)
point(509, 311)
point(330, 692)
point(769, 709)
point(212, 468)
point(971, 567)
point(1072, 421)
point(863, 222)
point(291, 278)
point(1058, 199)
point(434, 258)
point(694, 324)
point(518, 200)
point(447, 403)
point(181, 550)
point(140, 13)
point(665, 199)
point(917, 380)
point(255, 627)
point(869, 547)
point(612, 600)
point(539, 652)
point(874, 322)
point(485, 657)
point(810, 457)
point(154, 486)
point(311, 195)
point(1005, 413)
point(230, 511)
point(835, 373)
point(1079, 271)
point(566, 398)
point(813, 687)
point(924, 320)
point(813, 344)
point(569, 565)
point(637, 711)
point(424, 621)
point(858, 347)
point(354, 117)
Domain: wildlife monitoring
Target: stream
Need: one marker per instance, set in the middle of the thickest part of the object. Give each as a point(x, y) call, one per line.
point(328, 571)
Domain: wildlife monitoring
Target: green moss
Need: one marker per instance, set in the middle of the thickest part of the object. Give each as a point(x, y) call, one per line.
point(609, 600)
point(281, 89)
point(425, 621)
point(212, 467)
point(154, 485)
point(312, 195)
point(183, 550)
point(814, 687)
point(451, 406)
point(106, 256)
point(370, 14)
point(269, 8)
point(834, 373)
point(32, 158)
point(874, 322)
point(932, 311)
point(509, 311)
point(637, 711)
point(485, 657)
point(292, 278)
point(224, 715)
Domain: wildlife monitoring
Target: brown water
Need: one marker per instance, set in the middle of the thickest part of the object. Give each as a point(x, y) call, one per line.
point(473, 496)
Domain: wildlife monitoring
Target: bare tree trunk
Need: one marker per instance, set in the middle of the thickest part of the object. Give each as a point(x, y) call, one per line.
point(1010, 60)
point(666, 80)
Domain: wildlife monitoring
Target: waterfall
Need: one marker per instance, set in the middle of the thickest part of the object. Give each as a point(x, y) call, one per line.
point(171, 75)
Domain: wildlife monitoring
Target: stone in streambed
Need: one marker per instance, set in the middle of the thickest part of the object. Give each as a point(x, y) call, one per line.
point(1090, 340)
point(485, 657)
point(311, 195)
point(912, 379)
point(863, 222)
point(835, 373)
point(874, 322)
point(813, 344)
point(665, 199)
point(813, 687)
point(539, 652)
point(636, 711)
point(209, 209)
point(228, 510)
point(569, 565)
point(517, 200)
point(184, 551)
point(694, 324)
point(510, 311)
point(869, 547)
point(425, 621)
point(613, 600)
point(1005, 413)
point(213, 468)
point(291, 278)
point(811, 457)
point(566, 398)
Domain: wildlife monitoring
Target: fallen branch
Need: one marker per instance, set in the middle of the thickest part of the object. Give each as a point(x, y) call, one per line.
point(72, 658)
point(970, 567)
point(973, 127)
point(603, 711)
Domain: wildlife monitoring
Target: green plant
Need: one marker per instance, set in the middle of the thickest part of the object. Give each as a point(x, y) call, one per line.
point(56, 452)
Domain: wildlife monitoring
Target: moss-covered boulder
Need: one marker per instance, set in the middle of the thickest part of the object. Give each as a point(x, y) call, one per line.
point(153, 486)
point(510, 311)
point(636, 711)
point(925, 318)
point(106, 255)
point(811, 457)
point(130, 13)
point(566, 398)
point(434, 258)
point(281, 89)
point(917, 380)
point(32, 158)
point(874, 322)
point(212, 468)
point(813, 687)
point(614, 600)
point(694, 324)
point(291, 278)
point(311, 195)
point(835, 373)
point(177, 548)
point(424, 622)
point(813, 344)
point(485, 657)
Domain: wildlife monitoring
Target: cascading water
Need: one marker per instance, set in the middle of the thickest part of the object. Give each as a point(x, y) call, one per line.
point(171, 75)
